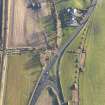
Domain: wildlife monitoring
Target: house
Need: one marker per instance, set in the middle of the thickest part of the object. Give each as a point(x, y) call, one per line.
point(68, 18)
point(71, 16)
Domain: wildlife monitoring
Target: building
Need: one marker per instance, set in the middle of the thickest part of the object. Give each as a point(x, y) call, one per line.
point(71, 17)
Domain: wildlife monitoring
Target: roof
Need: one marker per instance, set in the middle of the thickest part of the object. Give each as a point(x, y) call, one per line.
point(68, 17)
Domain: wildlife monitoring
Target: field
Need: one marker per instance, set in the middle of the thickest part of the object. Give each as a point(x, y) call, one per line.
point(67, 73)
point(67, 65)
point(22, 73)
point(67, 32)
point(24, 25)
point(92, 83)
point(61, 4)
point(23, 70)
point(44, 99)
point(71, 3)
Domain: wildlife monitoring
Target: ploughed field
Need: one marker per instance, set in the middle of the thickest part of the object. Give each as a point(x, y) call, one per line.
point(25, 28)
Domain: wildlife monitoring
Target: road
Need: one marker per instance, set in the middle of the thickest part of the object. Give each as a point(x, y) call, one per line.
point(44, 75)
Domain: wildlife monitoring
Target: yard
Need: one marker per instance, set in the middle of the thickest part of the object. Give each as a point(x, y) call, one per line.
point(68, 62)
point(22, 73)
point(92, 79)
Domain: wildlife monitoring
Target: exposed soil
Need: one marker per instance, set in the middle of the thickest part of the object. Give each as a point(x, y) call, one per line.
point(25, 28)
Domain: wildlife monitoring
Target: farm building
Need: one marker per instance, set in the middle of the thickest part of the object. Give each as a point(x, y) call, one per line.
point(71, 17)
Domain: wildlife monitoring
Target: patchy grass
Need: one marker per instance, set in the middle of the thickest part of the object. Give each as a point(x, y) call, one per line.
point(92, 84)
point(67, 32)
point(67, 64)
point(49, 24)
point(22, 74)
point(67, 74)
point(68, 68)
point(60, 4)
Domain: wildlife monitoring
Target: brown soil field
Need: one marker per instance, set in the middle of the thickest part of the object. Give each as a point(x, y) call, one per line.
point(24, 26)
point(44, 98)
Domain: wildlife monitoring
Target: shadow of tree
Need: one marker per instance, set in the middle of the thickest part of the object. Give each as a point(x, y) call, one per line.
point(33, 62)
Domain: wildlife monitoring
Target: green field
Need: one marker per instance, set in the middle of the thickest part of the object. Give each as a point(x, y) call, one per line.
point(49, 24)
point(67, 32)
point(45, 98)
point(67, 64)
point(60, 4)
point(92, 83)
point(68, 68)
point(22, 74)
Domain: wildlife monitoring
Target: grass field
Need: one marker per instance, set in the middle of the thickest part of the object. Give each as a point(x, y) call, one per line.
point(71, 3)
point(67, 32)
point(22, 74)
point(67, 65)
point(67, 74)
point(61, 4)
point(68, 68)
point(49, 24)
point(92, 83)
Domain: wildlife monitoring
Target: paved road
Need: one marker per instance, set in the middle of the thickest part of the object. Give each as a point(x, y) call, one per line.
point(44, 75)
point(45, 83)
